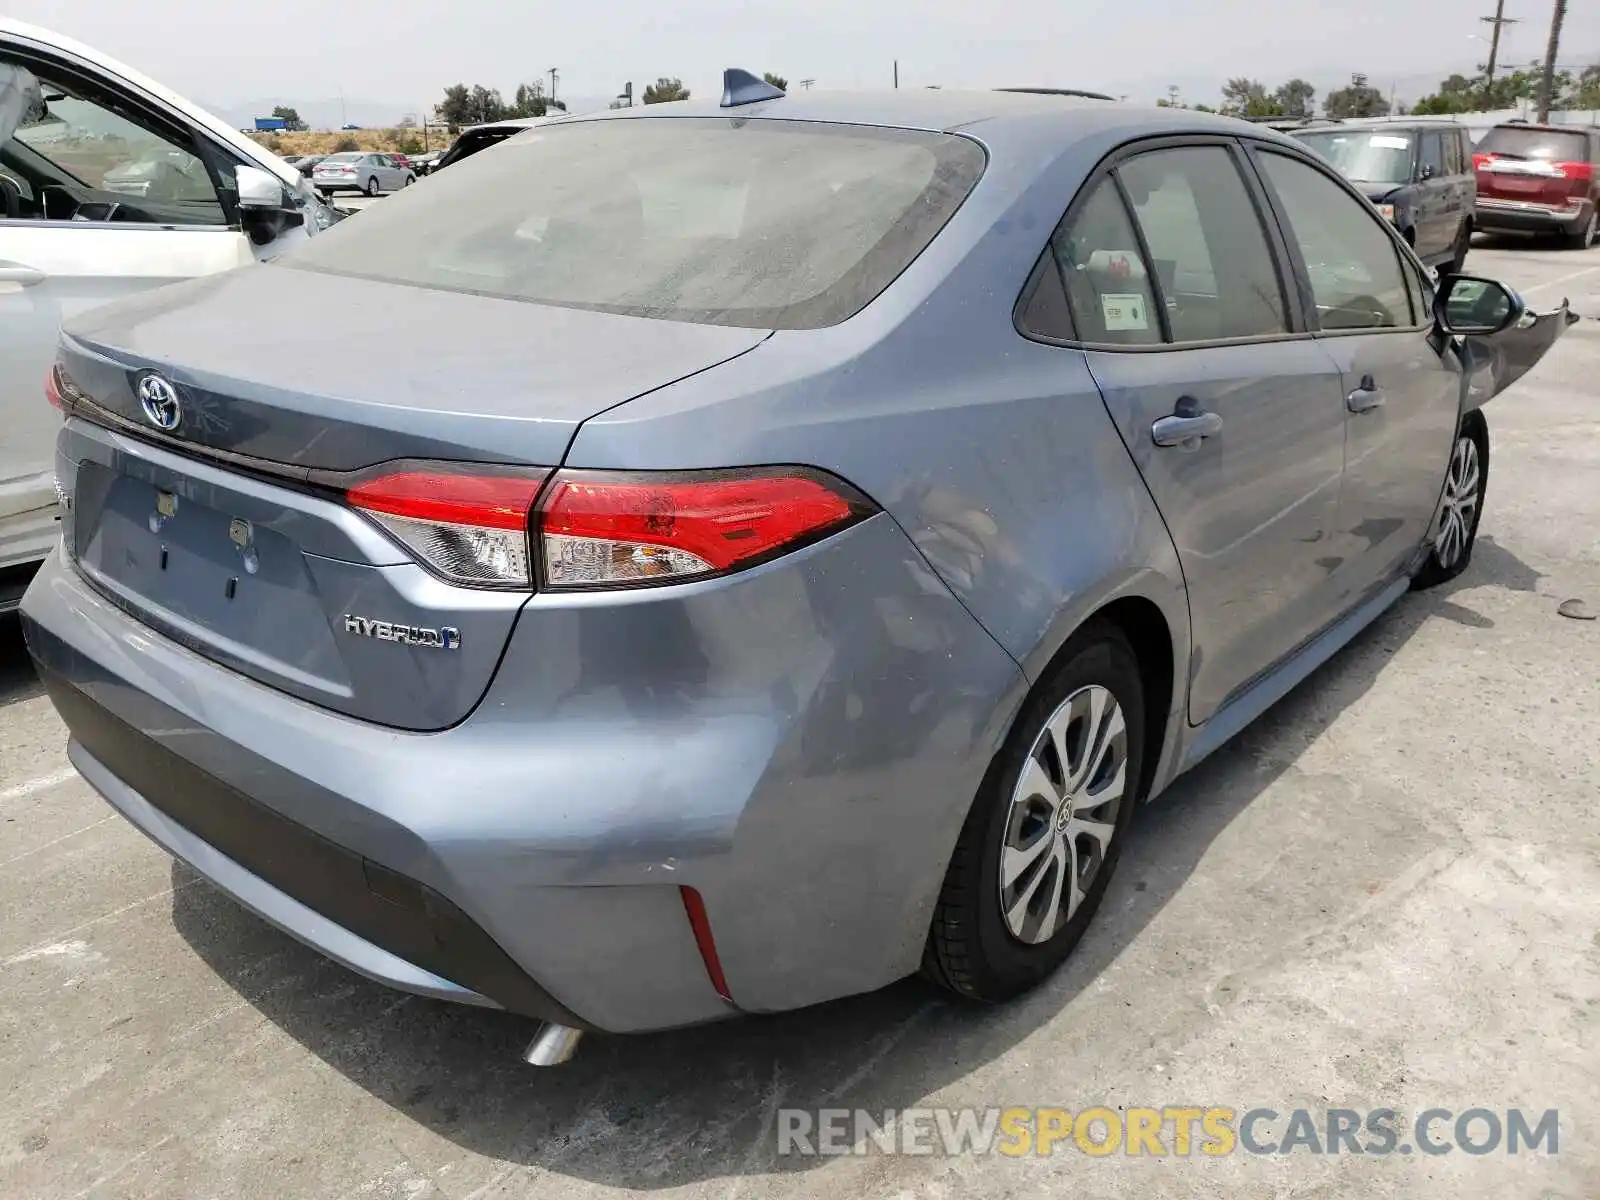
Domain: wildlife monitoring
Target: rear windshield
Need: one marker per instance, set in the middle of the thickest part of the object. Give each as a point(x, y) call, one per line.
point(342, 158)
point(723, 221)
point(1365, 156)
point(1508, 141)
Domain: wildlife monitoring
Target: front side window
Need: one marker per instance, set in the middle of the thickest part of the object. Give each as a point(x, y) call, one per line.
point(717, 220)
point(75, 156)
point(1353, 264)
point(1432, 160)
point(1108, 282)
point(1209, 249)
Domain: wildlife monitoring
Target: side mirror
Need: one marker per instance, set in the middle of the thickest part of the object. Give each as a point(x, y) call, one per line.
point(260, 189)
point(265, 205)
point(1466, 305)
point(1427, 172)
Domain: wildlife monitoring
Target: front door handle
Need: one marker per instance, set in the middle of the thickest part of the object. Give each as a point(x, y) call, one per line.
point(1187, 427)
point(20, 275)
point(1366, 397)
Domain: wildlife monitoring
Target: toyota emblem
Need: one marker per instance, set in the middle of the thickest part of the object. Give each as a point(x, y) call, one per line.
point(159, 399)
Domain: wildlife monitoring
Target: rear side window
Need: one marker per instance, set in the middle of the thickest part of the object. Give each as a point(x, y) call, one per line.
point(1108, 283)
point(1353, 264)
point(1208, 247)
point(723, 221)
point(1552, 145)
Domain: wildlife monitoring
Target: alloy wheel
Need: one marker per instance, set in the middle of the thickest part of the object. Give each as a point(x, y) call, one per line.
point(1460, 503)
point(1063, 814)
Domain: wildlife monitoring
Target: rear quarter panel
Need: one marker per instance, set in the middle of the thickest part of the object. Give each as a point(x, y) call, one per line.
point(994, 453)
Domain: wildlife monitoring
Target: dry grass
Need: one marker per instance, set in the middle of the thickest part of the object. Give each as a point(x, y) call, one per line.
point(385, 140)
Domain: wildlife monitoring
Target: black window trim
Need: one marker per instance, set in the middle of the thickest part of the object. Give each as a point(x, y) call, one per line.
point(1254, 147)
point(1294, 305)
point(166, 122)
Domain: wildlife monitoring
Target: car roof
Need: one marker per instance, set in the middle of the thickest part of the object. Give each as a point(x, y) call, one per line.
point(1001, 119)
point(1382, 123)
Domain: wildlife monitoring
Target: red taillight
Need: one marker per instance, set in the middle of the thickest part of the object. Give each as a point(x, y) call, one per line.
point(599, 529)
point(477, 525)
point(1480, 161)
point(471, 526)
point(1581, 172)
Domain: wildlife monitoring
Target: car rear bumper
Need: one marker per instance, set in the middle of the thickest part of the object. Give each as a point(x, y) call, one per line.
point(1518, 216)
point(799, 744)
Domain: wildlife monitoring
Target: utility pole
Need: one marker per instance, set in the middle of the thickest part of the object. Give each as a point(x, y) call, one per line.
point(1547, 82)
point(1498, 20)
point(806, 83)
point(554, 75)
point(897, 73)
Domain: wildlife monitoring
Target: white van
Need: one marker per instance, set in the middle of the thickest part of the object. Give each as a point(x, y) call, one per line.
point(109, 184)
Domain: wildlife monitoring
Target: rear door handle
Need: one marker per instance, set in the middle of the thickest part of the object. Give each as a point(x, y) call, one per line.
point(1187, 427)
point(20, 275)
point(1366, 397)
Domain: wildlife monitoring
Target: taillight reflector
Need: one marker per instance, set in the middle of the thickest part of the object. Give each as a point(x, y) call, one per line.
point(52, 387)
point(700, 923)
point(605, 529)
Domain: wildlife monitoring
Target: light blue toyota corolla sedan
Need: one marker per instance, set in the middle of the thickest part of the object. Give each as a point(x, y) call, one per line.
point(818, 523)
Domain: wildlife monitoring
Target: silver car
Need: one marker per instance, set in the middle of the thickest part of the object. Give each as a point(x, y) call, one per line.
point(109, 184)
point(361, 172)
point(823, 521)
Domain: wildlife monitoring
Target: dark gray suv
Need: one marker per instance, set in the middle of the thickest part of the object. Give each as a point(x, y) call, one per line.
point(1418, 172)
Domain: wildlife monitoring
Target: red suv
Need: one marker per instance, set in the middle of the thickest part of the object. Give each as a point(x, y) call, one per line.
point(1539, 179)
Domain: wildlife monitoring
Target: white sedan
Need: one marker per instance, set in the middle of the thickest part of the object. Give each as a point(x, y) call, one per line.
point(361, 172)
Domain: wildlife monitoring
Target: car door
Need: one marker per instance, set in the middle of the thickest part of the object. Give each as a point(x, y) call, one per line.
point(388, 176)
point(1402, 383)
point(1232, 414)
point(112, 198)
point(1432, 232)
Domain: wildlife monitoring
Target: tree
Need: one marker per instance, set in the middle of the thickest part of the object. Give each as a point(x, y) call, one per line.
point(777, 81)
point(408, 143)
point(487, 105)
point(1360, 99)
point(1587, 92)
point(1244, 97)
point(346, 145)
point(530, 100)
point(456, 108)
point(1297, 98)
point(291, 119)
point(664, 90)
point(407, 122)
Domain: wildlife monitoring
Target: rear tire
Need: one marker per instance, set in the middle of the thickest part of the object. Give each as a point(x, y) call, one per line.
point(1583, 238)
point(372, 186)
point(1455, 531)
point(1054, 808)
point(410, 179)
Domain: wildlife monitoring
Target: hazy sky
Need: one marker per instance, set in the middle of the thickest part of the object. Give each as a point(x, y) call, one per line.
point(405, 52)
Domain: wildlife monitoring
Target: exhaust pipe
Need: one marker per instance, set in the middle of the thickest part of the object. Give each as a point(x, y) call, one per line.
point(552, 1045)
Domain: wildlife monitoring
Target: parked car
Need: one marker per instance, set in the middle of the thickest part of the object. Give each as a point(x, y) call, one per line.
point(304, 163)
point(109, 184)
point(476, 138)
point(360, 172)
point(1540, 179)
point(819, 532)
point(1417, 171)
point(423, 163)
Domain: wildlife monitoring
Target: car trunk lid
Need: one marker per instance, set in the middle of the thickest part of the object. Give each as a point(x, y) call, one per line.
point(230, 532)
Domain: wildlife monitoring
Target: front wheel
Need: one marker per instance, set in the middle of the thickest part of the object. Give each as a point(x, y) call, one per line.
point(372, 186)
point(410, 179)
point(1044, 834)
point(1455, 532)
